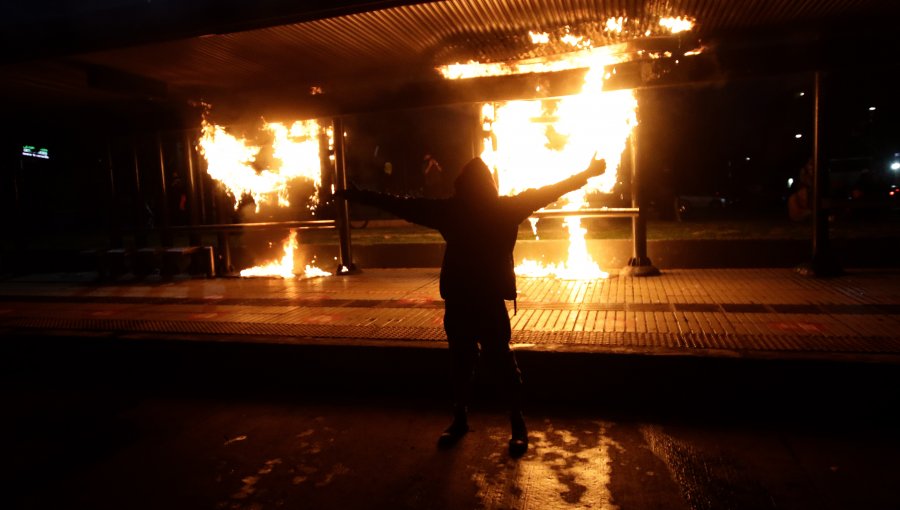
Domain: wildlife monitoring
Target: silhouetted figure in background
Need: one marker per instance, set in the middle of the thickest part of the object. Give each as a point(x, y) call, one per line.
point(800, 199)
point(178, 200)
point(433, 176)
point(477, 276)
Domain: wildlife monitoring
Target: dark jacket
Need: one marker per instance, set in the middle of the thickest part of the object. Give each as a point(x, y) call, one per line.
point(479, 226)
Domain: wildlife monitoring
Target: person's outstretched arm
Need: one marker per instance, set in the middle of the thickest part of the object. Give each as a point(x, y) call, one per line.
point(533, 199)
point(423, 211)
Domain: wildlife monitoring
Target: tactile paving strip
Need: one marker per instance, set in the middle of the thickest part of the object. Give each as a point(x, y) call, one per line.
point(752, 308)
point(615, 340)
point(734, 311)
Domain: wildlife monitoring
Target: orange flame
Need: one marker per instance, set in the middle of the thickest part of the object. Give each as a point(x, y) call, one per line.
point(677, 24)
point(284, 267)
point(535, 143)
point(587, 55)
point(295, 154)
point(233, 161)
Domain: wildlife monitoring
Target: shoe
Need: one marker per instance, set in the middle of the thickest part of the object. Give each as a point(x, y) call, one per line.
point(518, 443)
point(453, 433)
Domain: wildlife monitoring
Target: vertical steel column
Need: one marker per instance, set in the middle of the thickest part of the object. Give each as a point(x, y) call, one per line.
point(639, 264)
point(823, 263)
point(222, 204)
point(346, 264)
point(193, 204)
point(140, 205)
point(201, 186)
point(115, 226)
point(165, 233)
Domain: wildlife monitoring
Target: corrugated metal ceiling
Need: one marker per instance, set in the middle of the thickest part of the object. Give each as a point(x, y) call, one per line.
point(406, 42)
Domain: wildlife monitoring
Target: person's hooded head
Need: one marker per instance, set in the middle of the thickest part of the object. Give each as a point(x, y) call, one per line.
point(475, 182)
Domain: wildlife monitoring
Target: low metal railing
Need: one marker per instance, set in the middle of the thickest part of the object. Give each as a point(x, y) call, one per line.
point(269, 225)
point(595, 212)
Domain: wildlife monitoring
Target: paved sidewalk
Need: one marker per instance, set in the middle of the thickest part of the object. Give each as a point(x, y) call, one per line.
point(709, 312)
point(694, 389)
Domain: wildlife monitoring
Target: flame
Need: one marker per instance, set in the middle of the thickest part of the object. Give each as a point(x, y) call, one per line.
point(234, 161)
point(677, 24)
point(616, 25)
point(535, 143)
point(586, 55)
point(284, 267)
point(539, 37)
point(295, 154)
point(312, 271)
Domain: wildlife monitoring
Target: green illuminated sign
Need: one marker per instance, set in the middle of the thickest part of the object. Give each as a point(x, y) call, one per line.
point(35, 152)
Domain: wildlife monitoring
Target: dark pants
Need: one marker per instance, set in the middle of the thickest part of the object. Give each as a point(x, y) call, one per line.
point(486, 323)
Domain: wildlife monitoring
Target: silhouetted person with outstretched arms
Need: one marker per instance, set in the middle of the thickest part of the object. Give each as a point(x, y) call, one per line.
point(477, 276)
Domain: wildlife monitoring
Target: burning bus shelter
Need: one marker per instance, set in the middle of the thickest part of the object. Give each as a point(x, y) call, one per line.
point(163, 84)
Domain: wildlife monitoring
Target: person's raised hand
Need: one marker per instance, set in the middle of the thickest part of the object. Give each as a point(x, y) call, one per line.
point(596, 167)
point(350, 193)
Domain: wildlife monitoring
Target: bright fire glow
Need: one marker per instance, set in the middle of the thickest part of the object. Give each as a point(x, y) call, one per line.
point(295, 154)
point(539, 37)
point(236, 162)
point(586, 55)
point(474, 69)
point(284, 267)
point(535, 143)
point(575, 40)
point(616, 24)
point(677, 24)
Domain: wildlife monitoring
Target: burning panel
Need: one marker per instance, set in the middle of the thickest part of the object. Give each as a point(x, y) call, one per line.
point(263, 171)
point(534, 143)
point(246, 169)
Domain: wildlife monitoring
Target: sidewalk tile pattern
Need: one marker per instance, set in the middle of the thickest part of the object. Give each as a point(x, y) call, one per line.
point(706, 311)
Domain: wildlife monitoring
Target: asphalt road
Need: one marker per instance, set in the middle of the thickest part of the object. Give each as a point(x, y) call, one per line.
point(84, 431)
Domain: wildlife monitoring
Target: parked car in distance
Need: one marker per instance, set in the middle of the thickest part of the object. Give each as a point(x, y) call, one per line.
point(696, 205)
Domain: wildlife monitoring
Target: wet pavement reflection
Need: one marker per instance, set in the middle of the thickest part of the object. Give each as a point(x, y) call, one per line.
point(123, 450)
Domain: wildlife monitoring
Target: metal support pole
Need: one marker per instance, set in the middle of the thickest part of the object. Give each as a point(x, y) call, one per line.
point(222, 209)
point(823, 263)
point(639, 264)
point(115, 227)
point(202, 187)
point(166, 234)
point(345, 265)
point(140, 205)
point(193, 204)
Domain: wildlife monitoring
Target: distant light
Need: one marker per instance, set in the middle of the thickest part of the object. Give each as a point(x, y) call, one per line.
point(798, 136)
point(871, 108)
point(790, 181)
point(747, 158)
point(539, 37)
point(895, 165)
point(801, 94)
point(34, 152)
